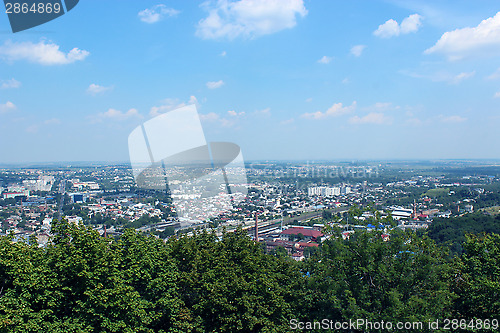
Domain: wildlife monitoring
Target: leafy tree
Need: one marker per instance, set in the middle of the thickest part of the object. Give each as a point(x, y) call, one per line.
point(85, 283)
point(82, 282)
point(477, 279)
point(452, 231)
point(232, 286)
point(405, 279)
point(280, 251)
point(169, 231)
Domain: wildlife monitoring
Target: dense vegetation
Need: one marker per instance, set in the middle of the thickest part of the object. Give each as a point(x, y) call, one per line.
point(82, 282)
point(452, 232)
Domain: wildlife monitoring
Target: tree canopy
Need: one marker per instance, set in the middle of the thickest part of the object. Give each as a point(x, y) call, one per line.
point(82, 282)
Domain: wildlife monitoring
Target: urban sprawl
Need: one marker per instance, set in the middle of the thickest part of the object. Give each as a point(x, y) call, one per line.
point(287, 207)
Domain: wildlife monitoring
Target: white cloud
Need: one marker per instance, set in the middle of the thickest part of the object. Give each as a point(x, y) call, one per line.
point(334, 111)
point(44, 53)
point(441, 76)
point(171, 104)
point(381, 105)
point(411, 24)
point(357, 50)
point(264, 112)
point(325, 60)
point(391, 27)
point(8, 106)
point(497, 94)
point(215, 84)
point(452, 119)
point(119, 115)
point(193, 100)
point(460, 43)
point(372, 118)
point(223, 53)
point(346, 80)
point(233, 113)
point(388, 29)
point(462, 76)
point(308, 100)
point(212, 116)
point(95, 89)
point(12, 83)
point(248, 18)
point(156, 13)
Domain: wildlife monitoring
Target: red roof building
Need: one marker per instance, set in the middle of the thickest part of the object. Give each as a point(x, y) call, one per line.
point(309, 234)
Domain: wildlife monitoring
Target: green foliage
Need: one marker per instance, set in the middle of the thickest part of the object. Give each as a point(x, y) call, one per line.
point(477, 279)
point(437, 192)
point(405, 279)
point(231, 286)
point(169, 231)
point(82, 282)
point(72, 209)
point(143, 221)
point(452, 231)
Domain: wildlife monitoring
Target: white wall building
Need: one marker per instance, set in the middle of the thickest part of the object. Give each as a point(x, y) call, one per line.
point(323, 191)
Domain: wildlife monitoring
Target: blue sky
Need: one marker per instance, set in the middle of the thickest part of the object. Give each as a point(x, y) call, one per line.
point(286, 79)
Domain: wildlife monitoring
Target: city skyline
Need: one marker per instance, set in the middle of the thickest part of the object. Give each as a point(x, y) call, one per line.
point(285, 80)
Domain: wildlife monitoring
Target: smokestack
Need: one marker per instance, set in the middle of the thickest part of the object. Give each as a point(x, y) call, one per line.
point(256, 228)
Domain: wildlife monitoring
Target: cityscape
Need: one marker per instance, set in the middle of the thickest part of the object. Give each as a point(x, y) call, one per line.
point(285, 200)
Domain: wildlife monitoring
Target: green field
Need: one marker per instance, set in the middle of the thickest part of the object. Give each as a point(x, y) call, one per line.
point(437, 192)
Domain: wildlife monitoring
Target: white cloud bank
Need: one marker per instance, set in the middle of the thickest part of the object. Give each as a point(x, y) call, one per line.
point(156, 13)
point(325, 60)
point(357, 50)
point(215, 84)
point(7, 84)
point(469, 41)
point(335, 110)
point(95, 89)
point(462, 76)
point(170, 104)
point(8, 106)
point(442, 76)
point(43, 52)
point(114, 114)
point(391, 27)
point(233, 113)
point(248, 18)
point(452, 119)
point(377, 118)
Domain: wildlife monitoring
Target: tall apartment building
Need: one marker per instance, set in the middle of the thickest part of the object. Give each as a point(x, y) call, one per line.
point(323, 191)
